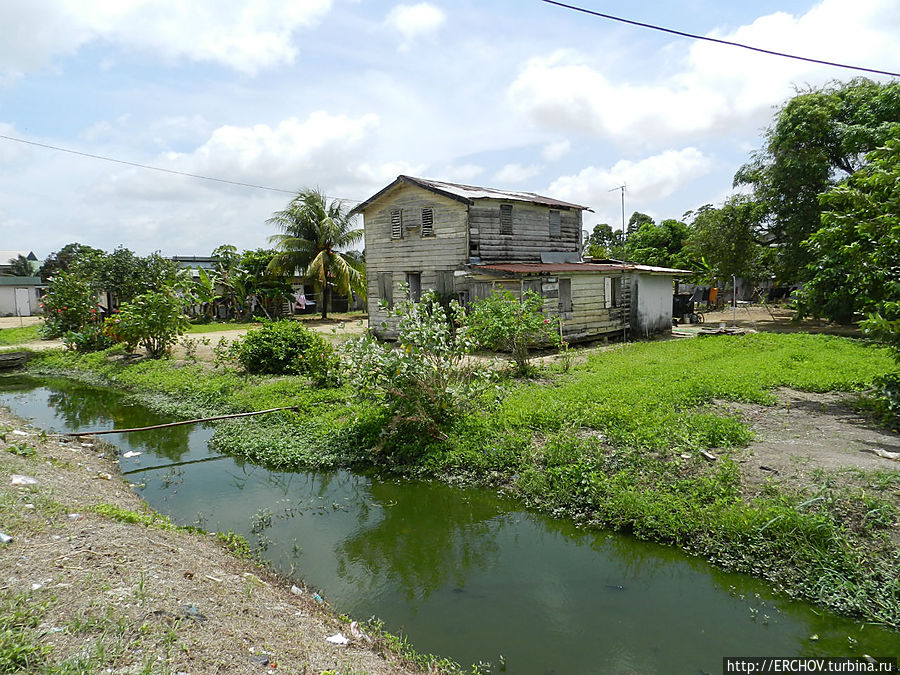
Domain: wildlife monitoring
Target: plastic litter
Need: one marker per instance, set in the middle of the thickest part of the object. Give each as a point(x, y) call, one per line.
point(131, 453)
point(296, 590)
point(5, 538)
point(356, 632)
point(16, 479)
point(338, 639)
point(318, 598)
point(104, 476)
point(16, 432)
point(87, 445)
point(76, 516)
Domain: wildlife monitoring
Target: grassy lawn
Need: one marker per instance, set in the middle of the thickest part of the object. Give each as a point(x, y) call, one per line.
point(15, 336)
point(613, 444)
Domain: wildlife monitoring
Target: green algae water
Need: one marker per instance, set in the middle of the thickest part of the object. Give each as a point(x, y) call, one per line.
point(462, 572)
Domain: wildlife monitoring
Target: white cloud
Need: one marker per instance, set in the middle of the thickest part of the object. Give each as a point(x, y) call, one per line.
point(245, 35)
point(414, 21)
point(647, 180)
point(458, 173)
point(553, 152)
point(515, 173)
point(715, 87)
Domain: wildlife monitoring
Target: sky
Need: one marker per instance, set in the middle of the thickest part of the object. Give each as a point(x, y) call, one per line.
point(345, 95)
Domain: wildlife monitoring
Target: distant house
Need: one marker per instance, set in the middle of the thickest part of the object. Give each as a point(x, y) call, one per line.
point(19, 296)
point(464, 241)
point(7, 258)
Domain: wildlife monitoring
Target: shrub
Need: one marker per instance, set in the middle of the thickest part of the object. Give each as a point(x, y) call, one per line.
point(152, 320)
point(424, 382)
point(91, 338)
point(69, 305)
point(286, 347)
point(503, 323)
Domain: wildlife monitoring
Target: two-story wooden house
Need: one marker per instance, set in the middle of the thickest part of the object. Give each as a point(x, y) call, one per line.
point(464, 241)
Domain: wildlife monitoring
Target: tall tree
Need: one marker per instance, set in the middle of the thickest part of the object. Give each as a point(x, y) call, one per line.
point(725, 240)
point(819, 137)
point(856, 253)
point(604, 242)
point(62, 260)
point(313, 229)
point(658, 244)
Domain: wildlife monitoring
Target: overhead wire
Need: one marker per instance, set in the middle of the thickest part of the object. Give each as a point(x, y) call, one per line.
point(706, 38)
point(154, 168)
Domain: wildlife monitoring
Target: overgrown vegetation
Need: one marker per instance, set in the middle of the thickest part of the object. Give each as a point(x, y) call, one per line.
point(603, 444)
point(425, 384)
point(286, 347)
point(504, 323)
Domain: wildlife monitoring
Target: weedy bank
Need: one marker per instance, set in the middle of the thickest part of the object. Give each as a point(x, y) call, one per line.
point(614, 443)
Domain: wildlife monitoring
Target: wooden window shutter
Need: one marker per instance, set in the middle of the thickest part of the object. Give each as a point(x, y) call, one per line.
point(506, 223)
point(565, 295)
point(386, 288)
point(554, 223)
point(396, 224)
point(427, 222)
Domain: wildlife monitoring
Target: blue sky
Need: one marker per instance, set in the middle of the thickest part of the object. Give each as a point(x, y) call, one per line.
point(345, 95)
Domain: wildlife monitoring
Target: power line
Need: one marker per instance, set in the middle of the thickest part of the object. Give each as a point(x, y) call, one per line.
point(155, 168)
point(717, 40)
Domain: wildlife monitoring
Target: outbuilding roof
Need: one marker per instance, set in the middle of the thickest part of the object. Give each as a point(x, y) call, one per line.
point(565, 268)
point(468, 194)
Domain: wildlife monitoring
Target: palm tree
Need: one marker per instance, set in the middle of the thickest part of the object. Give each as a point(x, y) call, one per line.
point(313, 229)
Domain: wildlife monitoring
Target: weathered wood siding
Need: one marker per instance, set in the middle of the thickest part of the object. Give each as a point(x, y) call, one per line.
point(530, 232)
point(434, 257)
point(592, 315)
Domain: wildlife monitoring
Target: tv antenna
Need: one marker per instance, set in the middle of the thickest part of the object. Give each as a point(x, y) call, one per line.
point(621, 188)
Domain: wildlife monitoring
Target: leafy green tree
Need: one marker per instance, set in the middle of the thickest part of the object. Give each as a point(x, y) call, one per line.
point(604, 242)
point(856, 252)
point(504, 323)
point(128, 275)
point(819, 137)
point(62, 260)
point(69, 305)
point(313, 230)
point(725, 240)
point(661, 245)
point(636, 220)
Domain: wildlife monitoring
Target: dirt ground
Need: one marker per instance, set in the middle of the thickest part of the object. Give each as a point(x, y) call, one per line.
point(128, 598)
point(769, 318)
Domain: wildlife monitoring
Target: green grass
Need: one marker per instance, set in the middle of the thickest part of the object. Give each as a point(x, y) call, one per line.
point(601, 444)
point(17, 336)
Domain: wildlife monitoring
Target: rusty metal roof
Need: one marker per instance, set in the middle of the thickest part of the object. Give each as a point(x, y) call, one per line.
point(468, 194)
point(563, 268)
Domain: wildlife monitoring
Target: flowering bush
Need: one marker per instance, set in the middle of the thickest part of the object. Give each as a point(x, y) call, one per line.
point(287, 347)
point(425, 381)
point(69, 305)
point(152, 320)
point(501, 322)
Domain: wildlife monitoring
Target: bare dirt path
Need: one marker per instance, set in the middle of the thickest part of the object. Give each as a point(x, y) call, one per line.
point(126, 597)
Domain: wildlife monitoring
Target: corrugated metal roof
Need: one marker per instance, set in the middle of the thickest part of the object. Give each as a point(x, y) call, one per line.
point(561, 268)
point(469, 193)
point(20, 281)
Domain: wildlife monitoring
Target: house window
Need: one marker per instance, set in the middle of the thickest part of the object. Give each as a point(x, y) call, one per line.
point(427, 222)
point(414, 285)
point(616, 292)
point(386, 288)
point(612, 287)
point(506, 219)
point(554, 224)
point(565, 296)
point(531, 285)
point(396, 224)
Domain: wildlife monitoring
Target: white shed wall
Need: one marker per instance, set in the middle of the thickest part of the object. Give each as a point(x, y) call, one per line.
point(651, 304)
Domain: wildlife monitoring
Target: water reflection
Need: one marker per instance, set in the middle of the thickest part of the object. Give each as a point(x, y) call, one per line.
point(418, 550)
point(462, 572)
